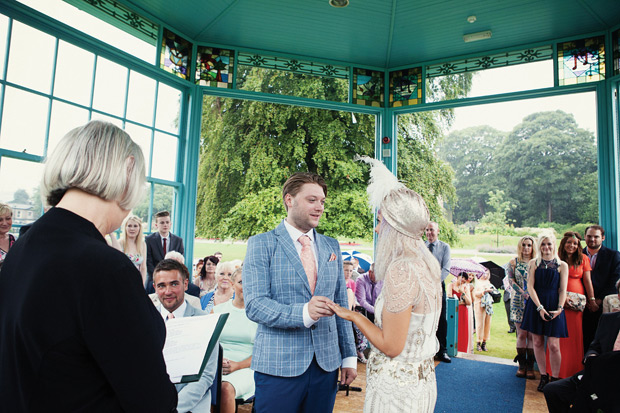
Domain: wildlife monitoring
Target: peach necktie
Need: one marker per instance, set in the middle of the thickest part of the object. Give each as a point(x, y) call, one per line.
point(170, 316)
point(307, 260)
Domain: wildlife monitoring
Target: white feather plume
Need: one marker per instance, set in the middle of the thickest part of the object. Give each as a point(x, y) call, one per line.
point(382, 181)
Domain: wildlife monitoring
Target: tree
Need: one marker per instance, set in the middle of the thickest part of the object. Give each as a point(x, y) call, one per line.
point(471, 153)
point(249, 149)
point(497, 219)
point(21, 197)
point(419, 135)
point(544, 164)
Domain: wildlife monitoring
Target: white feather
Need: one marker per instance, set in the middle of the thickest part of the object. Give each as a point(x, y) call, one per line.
point(382, 181)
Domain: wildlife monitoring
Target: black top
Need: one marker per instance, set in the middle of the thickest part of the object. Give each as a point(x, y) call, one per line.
point(77, 331)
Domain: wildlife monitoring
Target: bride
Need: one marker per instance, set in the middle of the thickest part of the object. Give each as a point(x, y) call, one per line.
point(400, 369)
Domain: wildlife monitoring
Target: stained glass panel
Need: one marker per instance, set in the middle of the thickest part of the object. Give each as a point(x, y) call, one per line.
point(367, 87)
point(615, 38)
point(406, 87)
point(214, 67)
point(581, 61)
point(175, 54)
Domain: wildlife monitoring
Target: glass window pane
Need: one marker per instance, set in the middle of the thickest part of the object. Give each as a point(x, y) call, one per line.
point(110, 87)
point(64, 118)
point(4, 28)
point(142, 209)
point(141, 136)
point(168, 108)
point(105, 118)
point(16, 174)
point(27, 68)
point(141, 100)
point(257, 79)
point(164, 200)
point(74, 74)
point(164, 156)
point(142, 48)
point(24, 119)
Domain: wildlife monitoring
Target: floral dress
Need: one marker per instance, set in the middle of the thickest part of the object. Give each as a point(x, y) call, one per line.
point(517, 303)
point(136, 259)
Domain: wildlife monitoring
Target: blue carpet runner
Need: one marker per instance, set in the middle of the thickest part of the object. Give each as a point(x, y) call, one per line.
point(478, 386)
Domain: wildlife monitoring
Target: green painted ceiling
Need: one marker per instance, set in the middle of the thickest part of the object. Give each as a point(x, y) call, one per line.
point(380, 33)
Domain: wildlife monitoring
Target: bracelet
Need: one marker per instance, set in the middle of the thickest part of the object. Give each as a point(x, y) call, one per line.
point(592, 299)
point(540, 307)
point(560, 308)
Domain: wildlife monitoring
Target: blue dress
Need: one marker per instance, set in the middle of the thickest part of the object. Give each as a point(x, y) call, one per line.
point(547, 284)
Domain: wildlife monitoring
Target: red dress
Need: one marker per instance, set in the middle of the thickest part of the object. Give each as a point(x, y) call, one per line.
point(571, 347)
point(464, 339)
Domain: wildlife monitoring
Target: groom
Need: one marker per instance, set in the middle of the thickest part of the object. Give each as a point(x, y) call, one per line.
point(290, 274)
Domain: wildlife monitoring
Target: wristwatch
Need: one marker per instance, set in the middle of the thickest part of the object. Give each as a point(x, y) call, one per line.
point(592, 299)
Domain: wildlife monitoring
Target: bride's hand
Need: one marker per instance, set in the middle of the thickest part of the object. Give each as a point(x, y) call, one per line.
point(341, 311)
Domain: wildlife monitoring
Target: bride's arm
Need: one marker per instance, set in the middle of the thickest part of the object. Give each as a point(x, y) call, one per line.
point(400, 293)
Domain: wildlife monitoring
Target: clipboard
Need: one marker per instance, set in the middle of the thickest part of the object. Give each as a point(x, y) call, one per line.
point(186, 345)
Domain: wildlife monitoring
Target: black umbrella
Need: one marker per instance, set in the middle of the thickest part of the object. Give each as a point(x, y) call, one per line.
point(497, 273)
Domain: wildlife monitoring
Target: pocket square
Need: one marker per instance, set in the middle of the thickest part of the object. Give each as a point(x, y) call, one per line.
point(332, 257)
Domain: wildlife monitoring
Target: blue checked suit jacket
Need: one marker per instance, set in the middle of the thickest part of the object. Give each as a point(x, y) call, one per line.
point(275, 287)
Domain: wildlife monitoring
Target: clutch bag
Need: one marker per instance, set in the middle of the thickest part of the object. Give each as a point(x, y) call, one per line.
point(575, 301)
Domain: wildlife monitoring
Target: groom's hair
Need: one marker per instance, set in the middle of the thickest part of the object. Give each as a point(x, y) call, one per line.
point(297, 180)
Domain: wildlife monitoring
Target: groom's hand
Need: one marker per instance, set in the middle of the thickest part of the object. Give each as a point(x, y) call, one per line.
point(347, 375)
point(318, 307)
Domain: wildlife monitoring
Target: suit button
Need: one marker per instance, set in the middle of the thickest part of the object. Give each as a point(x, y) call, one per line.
point(313, 327)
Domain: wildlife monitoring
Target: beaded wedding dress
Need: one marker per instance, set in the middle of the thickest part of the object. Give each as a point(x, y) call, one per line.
point(406, 383)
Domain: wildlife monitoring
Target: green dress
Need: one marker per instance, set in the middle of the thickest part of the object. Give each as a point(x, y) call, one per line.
point(237, 340)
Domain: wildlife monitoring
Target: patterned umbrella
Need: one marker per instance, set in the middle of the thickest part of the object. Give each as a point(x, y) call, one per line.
point(364, 260)
point(459, 265)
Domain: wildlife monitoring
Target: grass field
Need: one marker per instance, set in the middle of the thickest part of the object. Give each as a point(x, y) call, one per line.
point(501, 343)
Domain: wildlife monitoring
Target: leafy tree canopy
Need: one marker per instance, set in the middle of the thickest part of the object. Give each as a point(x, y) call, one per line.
point(249, 149)
point(546, 166)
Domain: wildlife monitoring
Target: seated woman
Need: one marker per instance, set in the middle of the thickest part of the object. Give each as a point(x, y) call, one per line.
point(461, 289)
point(237, 340)
point(223, 290)
point(132, 243)
point(206, 276)
point(6, 222)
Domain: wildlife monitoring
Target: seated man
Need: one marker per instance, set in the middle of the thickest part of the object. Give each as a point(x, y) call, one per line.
point(595, 387)
point(170, 280)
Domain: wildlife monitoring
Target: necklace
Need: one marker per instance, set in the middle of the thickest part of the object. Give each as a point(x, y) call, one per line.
point(547, 262)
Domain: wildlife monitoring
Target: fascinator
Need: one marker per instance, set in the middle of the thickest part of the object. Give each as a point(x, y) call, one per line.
point(404, 209)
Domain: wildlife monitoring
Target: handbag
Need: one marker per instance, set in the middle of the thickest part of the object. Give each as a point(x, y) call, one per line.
point(496, 295)
point(575, 301)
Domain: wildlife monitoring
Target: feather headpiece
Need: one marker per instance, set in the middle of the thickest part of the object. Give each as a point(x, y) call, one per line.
point(381, 183)
point(402, 208)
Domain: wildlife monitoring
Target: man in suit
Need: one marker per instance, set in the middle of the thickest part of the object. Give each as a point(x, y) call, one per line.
point(170, 279)
point(441, 251)
point(594, 388)
point(290, 275)
point(158, 244)
point(605, 273)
